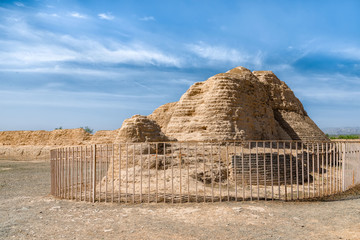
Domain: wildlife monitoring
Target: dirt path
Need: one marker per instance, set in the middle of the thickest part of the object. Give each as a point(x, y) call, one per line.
point(28, 212)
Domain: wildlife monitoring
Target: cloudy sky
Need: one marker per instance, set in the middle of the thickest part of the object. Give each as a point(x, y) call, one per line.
point(95, 63)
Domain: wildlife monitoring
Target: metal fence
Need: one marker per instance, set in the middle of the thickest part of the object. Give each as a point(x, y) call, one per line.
point(204, 171)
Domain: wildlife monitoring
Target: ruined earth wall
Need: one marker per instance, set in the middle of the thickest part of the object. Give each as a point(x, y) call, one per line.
point(36, 145)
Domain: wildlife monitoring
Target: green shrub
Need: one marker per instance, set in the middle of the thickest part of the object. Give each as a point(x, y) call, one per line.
point(87, 129)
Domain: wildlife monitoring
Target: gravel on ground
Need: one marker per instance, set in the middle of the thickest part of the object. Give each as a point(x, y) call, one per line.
point(27, 211)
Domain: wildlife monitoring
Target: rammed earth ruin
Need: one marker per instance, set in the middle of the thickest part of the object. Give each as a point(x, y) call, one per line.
point(227, 103)
point(234, 105)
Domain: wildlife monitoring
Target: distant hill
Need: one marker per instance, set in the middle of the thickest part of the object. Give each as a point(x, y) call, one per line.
point(342, 130)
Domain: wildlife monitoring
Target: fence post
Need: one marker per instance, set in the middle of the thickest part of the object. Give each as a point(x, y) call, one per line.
point(52, 172)
point(344, 165)
point(94, 173)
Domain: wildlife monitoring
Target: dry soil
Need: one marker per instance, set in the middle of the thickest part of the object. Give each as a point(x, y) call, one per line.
point(27, 211)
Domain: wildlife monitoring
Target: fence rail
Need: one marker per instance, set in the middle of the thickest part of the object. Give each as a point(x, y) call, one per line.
point(204, 171)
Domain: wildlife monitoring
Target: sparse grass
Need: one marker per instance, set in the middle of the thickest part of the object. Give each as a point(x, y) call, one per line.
point(353, 136)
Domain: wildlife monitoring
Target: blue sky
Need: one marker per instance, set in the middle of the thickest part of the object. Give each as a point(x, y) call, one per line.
point(96, 63)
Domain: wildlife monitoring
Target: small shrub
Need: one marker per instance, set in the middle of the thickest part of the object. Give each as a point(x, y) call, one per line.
point(87, 129)
point(59, 128)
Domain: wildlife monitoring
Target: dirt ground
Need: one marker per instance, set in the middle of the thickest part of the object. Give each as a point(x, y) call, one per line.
point(27, 211)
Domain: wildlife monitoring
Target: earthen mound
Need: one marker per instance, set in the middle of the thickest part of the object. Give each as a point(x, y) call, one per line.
point(227, 105)
point(104, 136)
point(140, 129)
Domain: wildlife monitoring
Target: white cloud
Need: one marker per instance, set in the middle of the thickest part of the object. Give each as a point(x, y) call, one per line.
point(15, 27)
point(135, 53)
point(56, 98)
point(218, 53)
point(328, 89)
point(32, 49)
point(104, 74)
point(46, 15)
point(147, 18)
point(19, 4)
point(106, 16)
point(281, 67)
point(224, 54)
point(44, 55)
point(131, 54)
point(39, 49)
point(78, 15)
point(326, 78)
point(348, 52)
point(34, 54)
point(184, 81)
point(329, 95)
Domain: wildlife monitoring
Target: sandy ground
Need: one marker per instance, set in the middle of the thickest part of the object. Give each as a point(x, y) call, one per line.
point(27, 211)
